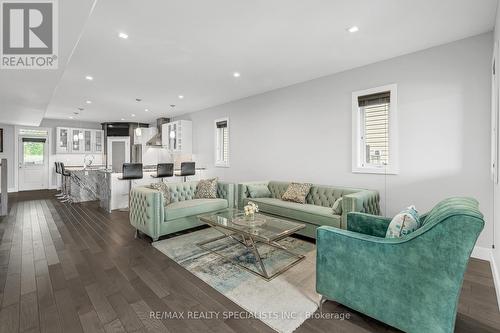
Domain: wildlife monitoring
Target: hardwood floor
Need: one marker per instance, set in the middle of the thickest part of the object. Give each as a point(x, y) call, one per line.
point(75, 268)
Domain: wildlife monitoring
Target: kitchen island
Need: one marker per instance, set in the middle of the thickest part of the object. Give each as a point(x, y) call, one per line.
point(83, 183)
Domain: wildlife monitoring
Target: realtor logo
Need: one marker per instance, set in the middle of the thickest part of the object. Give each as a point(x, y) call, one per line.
point(29, 34)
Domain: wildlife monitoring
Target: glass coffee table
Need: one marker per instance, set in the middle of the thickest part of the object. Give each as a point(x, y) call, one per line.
point(263, 231)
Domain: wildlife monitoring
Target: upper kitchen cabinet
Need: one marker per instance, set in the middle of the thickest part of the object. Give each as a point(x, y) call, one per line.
point(98, 141)
point(177, 136)
point(79, 141)
point(88, 146)
point(62, 140)
point(76, 138)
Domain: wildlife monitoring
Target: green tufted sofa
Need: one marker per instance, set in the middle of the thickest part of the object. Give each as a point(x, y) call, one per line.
point(318, 208)
point(412, 283)
point(148, 215)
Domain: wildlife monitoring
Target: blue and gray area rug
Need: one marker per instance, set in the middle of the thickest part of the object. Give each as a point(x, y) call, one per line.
point(283, 303)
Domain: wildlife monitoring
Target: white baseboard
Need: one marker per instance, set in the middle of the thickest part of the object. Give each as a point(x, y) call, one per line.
point(482, 253)
point(496, 277)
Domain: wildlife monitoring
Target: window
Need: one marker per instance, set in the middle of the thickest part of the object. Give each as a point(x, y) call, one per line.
point(33, 151)
point(374, 130)
point(222, 142)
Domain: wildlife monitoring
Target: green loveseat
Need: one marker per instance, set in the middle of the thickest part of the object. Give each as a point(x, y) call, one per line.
point(148, 215)
point(412, 283)
point(317, 210)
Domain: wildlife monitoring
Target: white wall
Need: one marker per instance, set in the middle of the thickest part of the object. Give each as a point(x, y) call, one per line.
point(303, 132)
point(8, 153)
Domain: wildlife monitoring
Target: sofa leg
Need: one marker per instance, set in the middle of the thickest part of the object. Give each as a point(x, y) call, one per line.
point(136, 235)
point(321, 302)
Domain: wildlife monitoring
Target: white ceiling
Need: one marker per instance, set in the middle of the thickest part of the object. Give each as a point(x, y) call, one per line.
point(25, 94)
point(192, 47)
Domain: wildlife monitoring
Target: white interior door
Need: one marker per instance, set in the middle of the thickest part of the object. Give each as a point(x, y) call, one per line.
point(118, 152)
point(33, 164)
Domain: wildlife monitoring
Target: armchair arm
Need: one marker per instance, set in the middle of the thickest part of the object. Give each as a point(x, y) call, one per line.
point(146, 210)
point(226, 191)
point(367, 224)
point(364, 201)
point(243, 192)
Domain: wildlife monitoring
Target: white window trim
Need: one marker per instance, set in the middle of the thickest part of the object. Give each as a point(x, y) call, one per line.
point(222, 164)
point(393, 167)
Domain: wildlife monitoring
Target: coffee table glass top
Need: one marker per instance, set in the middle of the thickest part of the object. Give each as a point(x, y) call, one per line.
point(264, 228)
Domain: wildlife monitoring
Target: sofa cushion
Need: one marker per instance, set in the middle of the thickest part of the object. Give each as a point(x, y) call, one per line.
point(297, 192)
point(403, 223)
point(206, 189)
point(313, 214)
point(337, 206)
point(258, 191)
point(163, 188)
point(192, 207)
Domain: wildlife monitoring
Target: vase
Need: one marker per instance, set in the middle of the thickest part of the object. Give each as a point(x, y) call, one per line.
point(250, 217)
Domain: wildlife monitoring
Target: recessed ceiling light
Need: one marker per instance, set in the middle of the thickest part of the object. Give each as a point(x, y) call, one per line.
point(123, 119)
point(88, 102)
point(132, 115)
point(88, 77)
point(147, 110)
point(181, 96)
point(81, 109)
point(236, 74)
point(71, 117)
point(123, 35)
point(138, 99)
point(353, 29)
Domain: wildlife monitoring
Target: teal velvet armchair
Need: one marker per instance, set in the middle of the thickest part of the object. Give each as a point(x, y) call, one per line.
point(412, 283)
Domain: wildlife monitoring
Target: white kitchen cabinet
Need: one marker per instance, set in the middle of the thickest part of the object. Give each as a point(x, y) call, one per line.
point(87, 143)
point(79, 141)
point(76, 139)
point(98, 141)
point(177, 136)
point(63, 145)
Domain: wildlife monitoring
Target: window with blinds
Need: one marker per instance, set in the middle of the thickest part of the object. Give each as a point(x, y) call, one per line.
point(374, 114)
point(222, 142)
point(374, 130)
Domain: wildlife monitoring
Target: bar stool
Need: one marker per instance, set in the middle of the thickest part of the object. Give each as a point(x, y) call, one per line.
point(58, 172)
point(65, 183)
point(164, 170)
point(187, 169)
point(131, 171)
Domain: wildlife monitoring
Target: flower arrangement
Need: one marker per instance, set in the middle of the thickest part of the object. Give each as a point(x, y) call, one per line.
point(250, 210)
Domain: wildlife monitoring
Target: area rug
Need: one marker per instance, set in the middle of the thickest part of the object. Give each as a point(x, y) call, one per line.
point(282, 303)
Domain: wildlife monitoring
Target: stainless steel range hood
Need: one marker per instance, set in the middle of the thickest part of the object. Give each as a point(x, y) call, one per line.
point(155, 141)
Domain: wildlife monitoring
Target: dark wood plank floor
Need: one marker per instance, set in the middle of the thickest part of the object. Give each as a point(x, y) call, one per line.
point(75, 268)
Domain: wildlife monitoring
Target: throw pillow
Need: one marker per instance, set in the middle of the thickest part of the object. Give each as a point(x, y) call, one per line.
point(337, 206)
point(163, 188)
point(297, 192)
point(206, 189)
point(258, 191)
point(403, 223)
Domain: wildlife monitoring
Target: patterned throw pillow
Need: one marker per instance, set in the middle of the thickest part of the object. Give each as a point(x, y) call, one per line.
point(259, 191)
point(206, 189)
point(163, 188)
point(404, 223)
point(296, 192)
point(337, 206)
